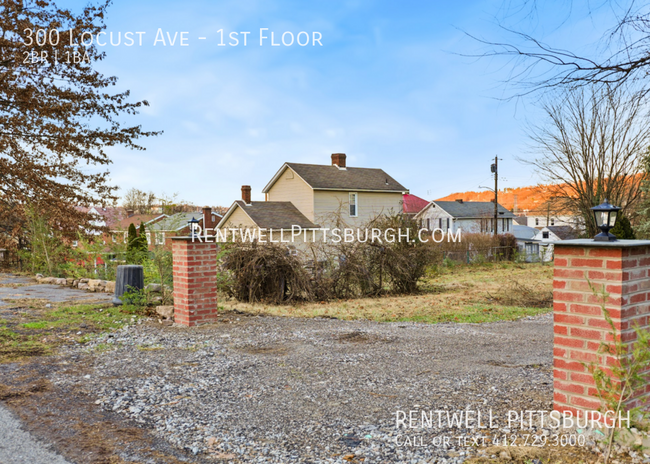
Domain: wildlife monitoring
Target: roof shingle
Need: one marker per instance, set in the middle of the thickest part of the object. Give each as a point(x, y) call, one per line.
point(473, 209)
point(275, 215)
point(326, 177)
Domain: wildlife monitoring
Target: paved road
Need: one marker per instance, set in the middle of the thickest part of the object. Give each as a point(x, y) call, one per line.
point(26, 287)
point(19, 447)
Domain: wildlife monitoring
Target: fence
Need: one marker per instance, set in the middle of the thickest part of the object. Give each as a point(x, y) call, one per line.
point(477, 255)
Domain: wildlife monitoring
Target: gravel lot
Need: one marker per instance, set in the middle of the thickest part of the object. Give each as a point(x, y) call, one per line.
point(267, 389)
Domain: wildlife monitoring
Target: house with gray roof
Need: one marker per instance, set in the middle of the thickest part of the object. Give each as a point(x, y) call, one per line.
point(527, 245)
point(468, 216)
point(161, 231)
point(313, 196)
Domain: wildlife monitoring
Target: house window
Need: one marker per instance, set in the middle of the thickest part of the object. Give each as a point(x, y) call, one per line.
point(148, 237)
point(552, 221)
point(536, 221)
point(113, 238)
point(545, 234)
point(440, 223)
point(447, 223)
point(160, 238)
point(354, 210)
point(428, 224)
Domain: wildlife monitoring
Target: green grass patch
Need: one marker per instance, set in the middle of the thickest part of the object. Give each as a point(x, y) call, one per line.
point(477, 314)
point(36, 325)
point(38, 332)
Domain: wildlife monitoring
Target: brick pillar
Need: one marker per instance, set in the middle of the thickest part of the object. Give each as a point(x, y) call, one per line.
point(622, 268)
point(195, 281)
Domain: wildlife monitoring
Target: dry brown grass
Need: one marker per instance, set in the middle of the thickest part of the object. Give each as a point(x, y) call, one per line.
point(475, 293)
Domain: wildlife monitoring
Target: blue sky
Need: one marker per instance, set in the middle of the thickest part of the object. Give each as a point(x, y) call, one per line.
point(388, 87)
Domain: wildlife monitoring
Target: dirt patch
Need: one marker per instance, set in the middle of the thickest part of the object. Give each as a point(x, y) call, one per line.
point(357, 336)
point(71, 421)
point(353, 337)
point(529, 294)
point(278, 350)
point(7, 392)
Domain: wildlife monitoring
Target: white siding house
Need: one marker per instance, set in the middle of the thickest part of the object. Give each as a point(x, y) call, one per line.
point(470, 216)
point(547, 236)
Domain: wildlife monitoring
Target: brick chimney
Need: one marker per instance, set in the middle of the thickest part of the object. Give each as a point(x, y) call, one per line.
point(459, 200)
point(246, 194)
point(338, 159)
point(207, 218)
point(129, 213)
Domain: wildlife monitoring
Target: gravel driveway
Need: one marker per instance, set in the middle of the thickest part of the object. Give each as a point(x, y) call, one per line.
point(269, 389)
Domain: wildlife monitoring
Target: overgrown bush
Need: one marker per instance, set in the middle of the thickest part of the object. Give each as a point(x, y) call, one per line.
point(158, 266)
point(268, 272)
point(264, 273)
point(46, 249)
point(405, 261)
point(137, 247)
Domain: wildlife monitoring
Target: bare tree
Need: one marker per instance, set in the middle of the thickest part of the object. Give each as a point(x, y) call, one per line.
point(139, 201)
point(591, 148)
point(621, 57)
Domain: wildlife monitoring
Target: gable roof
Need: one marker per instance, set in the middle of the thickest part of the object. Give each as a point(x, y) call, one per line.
point(470, 209)
point(326, 177)
point(412, 204)
point(175, 222)
point(563, 232)
point(271, 215)
point(524, 232)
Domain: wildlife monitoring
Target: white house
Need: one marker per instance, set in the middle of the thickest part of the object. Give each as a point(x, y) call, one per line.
point(469, 216)
point(527, 245)
point(547, 236)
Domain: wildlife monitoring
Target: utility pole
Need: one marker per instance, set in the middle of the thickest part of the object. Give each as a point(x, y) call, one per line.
point(495, 170)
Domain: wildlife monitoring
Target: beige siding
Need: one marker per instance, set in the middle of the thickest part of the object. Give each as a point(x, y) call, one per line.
point(239, 218)
point(370, 204)
point(290, 187)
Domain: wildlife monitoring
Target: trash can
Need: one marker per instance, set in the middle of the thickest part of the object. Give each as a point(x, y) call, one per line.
point(129, 277)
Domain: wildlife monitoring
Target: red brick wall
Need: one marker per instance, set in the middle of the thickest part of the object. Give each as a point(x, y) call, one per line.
point(195, 281)
point(579, 323)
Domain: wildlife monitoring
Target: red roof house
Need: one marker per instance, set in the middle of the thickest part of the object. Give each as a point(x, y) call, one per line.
point(412, 204)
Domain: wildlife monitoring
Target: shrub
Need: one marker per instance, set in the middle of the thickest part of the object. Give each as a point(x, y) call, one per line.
point(268, 272)
point(132, 245)
point(623, 229)
point(405, 261)
point(264, 273)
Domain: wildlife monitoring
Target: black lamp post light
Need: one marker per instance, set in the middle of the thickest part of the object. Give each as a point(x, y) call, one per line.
point(194, 225)
point(605, 215)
